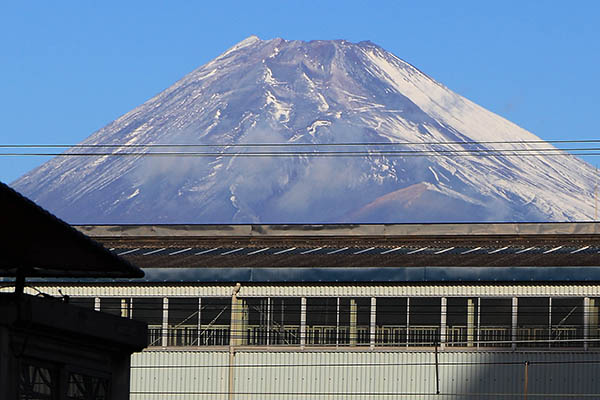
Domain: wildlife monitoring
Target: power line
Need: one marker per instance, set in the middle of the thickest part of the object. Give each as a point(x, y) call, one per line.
point(293, 144)
point(370, 153)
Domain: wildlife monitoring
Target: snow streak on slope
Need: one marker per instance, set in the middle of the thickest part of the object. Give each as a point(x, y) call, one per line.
point(277, 91)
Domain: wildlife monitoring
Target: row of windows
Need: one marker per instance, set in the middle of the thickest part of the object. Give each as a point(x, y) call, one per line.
point(47, 381)
point(522, 322)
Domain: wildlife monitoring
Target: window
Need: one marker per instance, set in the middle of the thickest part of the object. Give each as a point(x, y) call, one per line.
point(354, 321)
point(461, 321)
point(150, 311)
point(40, 381)
point(37, 381)
point(285, 326)
point(593, 319)
point(215, 318)
point(495, 328)
point(532, 321)
point(567, 322)
point(183, 321)
point(322, 320)
point(259, 321)
point(337, 321)
point(391, 321)
point(85, 387)
point(424, 321)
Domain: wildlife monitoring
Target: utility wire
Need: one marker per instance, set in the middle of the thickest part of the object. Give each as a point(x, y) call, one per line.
point(370, 153)
point(293, 144)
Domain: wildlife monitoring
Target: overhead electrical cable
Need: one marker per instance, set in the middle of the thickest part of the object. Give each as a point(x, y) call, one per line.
point(295, 144)
point(365, 153)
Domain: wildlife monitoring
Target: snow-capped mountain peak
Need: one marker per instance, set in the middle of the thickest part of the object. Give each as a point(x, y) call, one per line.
point(318, 92)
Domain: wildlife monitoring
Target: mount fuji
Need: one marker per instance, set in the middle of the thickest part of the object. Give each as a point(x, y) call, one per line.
point(312, 93)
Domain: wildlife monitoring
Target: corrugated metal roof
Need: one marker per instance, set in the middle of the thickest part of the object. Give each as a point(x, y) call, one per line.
point(523, 252)
point(325, 230)
point(314, 290)
point(352, 250)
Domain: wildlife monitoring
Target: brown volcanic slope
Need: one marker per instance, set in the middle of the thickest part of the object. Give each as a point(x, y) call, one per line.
point(418, 202)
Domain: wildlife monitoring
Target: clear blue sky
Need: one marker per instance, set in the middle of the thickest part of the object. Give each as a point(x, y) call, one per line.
point(68, 68)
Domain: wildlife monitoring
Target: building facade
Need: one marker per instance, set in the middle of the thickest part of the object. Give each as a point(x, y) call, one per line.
point(451, 310)
point(49, 349)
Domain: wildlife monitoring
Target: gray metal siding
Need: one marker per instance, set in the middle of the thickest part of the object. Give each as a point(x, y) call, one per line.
point(179, 374)
point(259, 374)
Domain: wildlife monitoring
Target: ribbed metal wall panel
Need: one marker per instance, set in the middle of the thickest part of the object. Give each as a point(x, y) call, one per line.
point(179, 374)
point(332, 375)
point(188, 290)
point(364, 374)
point(562, 374)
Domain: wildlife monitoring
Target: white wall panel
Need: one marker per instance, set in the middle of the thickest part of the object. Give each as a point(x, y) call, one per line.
point(364, 374)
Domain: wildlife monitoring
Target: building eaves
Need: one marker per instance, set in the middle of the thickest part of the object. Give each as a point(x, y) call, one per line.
point(42, 245)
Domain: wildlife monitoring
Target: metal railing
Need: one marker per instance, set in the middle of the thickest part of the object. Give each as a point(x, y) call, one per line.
point(340, 335)
point(419, 335)
point(526, 336)
point(189, 335)
point(390, 336)
point(455, 336)
point(460, 336)
point(494, 336)
point(257, 335)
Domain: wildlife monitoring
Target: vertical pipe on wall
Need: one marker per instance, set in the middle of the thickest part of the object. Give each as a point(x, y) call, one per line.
point(236, 319)
point(526, 383)
point(231, 377)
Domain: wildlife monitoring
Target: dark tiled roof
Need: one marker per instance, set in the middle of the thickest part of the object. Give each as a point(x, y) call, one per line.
point(473, 251)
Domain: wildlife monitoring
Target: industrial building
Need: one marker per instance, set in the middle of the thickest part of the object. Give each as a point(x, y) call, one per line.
point(329, 311)
point(50, 349)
